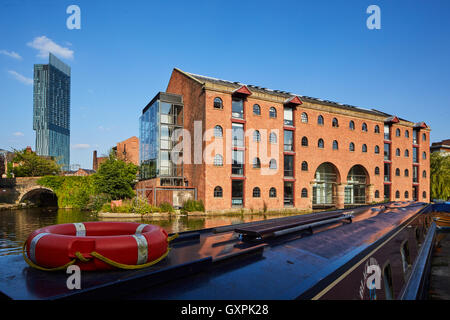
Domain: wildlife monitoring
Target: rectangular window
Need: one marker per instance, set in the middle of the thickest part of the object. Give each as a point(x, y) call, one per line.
point(288, 116)
point(387, 132)
point(237, 166)
point(288, 140)
point(415, 174)
point(387, 172)
point(415, 155)
point(288, 165)
point(415, 136)
point(237, 135)
point(237, 106)
point(288, 193)
point(387, 191)
point(237, 192)
point(387, 151)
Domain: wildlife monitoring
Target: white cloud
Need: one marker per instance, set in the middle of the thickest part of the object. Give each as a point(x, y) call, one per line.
point(20, 77)
point(102, 128)
point(81, 146)
point(18, 134)
point(11, 54)
point(46, 45)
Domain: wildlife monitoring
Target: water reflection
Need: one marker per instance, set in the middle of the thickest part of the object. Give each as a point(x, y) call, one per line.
point(16, 225)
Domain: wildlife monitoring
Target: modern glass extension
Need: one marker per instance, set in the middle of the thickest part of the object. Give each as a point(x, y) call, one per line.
point(157, 126)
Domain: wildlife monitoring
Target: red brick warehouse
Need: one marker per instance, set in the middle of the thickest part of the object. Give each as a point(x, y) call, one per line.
point(310, 153)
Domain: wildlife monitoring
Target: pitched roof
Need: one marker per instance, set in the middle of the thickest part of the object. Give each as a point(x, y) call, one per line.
point(234, 85)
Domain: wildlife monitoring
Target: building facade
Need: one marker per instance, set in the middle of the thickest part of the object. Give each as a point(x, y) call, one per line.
point(128, 150)
point(250, 147)
point(442, 147)
point(51, 110)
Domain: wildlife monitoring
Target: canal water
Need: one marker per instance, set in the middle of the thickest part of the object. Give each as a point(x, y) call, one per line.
point(16, 225)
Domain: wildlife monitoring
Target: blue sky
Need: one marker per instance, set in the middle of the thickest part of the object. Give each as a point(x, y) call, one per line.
point(125, 51)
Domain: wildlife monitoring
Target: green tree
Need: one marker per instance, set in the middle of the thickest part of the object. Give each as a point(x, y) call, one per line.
point(115, 178)
point(32, 165)
point(440, 176)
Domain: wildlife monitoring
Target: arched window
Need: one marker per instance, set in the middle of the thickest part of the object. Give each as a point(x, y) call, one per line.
point(352, 125)
point(272, 164)
point(218, 132)
point(218, 103)
point(364, 148)
point(406, 134)
point(320, 143)
point(304, 166)
point(397, 132)
point(397, 172)
point(377, 129)
point(424, 137)
point(352, 146)
point(424, 155)
point(273, 137)
point(364, 127)
point(424, 174)
point(304, 117)
point(256, 192)
point(424, 194)
point(218, 193)
point(406, 153)
point(304, 193)
point(304, 141)
point(377, 194)
point(406, 194)
point(256, 163)
point(272, 112)
point(397, 194)
point(335, 145)
point(256, 136)
point(256, 109)
point(377, 149)
point(273, 192)
point(218, 160)
point(335, 123)
point(377, 171)
point(406, 173)
point(397, 152)
point(320, 120)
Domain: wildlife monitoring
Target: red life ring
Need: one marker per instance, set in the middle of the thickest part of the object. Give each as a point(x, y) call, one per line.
point(126, 243)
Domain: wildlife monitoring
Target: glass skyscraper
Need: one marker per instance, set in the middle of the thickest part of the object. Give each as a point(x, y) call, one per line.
point(51, 110)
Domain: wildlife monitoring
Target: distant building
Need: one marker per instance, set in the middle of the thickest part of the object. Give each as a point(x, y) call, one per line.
point(96, 161)
point(442, 147)
point(51, 110)
point(127, 150)
point(80, 172)
point(5, 157)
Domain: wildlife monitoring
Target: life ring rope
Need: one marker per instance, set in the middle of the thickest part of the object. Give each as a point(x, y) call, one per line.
point(99, 256)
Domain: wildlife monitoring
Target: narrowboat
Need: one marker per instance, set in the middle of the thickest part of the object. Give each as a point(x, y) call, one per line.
point(371, 252)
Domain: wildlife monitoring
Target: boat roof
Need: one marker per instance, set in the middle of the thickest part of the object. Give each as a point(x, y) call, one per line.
point(245, 261)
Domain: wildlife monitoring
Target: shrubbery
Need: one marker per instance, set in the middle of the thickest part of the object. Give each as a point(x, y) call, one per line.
point(193, 205)
point(137, 205)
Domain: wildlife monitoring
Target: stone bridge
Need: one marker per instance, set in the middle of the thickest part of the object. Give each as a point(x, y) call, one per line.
point(26, 189)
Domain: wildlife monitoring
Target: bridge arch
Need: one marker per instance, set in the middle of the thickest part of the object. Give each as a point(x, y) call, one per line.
point(38, 195)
